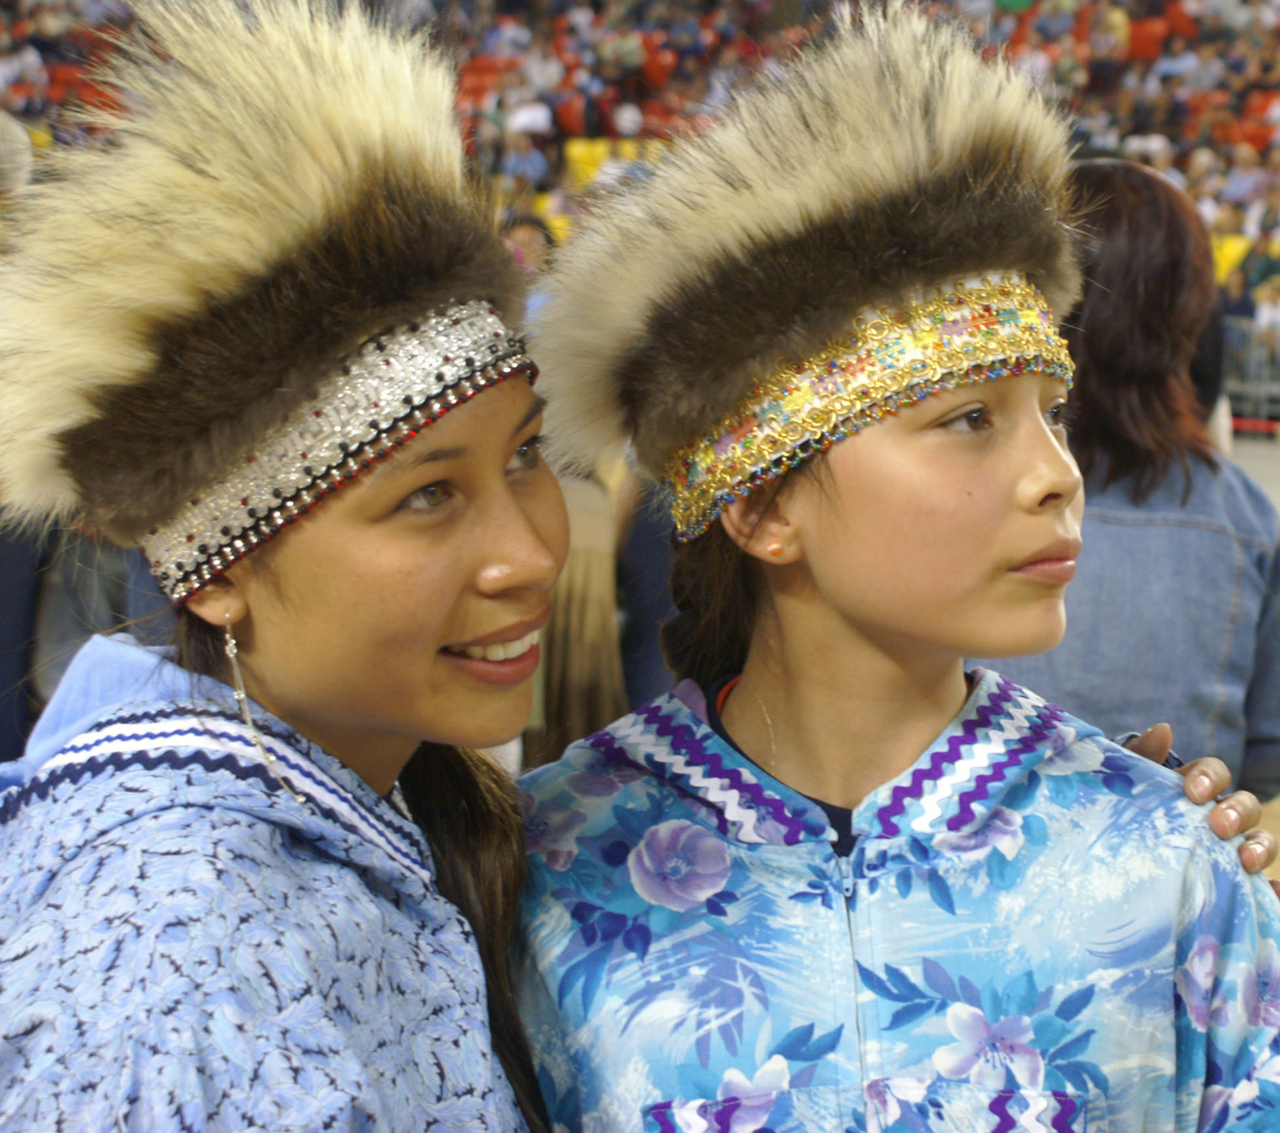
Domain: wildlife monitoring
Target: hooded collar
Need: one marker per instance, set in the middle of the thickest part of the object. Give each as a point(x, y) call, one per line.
point(123, 708)
point(998, 736)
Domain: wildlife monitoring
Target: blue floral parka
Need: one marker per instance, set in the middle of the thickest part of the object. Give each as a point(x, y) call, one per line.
point(184, 946)
point(1035, 931)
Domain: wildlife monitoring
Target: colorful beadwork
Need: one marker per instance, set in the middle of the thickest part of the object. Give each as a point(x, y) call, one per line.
point(391, 387)
point(978, 331)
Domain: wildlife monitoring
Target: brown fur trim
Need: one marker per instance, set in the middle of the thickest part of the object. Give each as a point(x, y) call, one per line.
point(226, 376)
point(887, 160)
point(289, 179)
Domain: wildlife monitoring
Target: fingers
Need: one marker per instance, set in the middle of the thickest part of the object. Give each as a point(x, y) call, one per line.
point(1245, 809)
point(1206, 779)
point(1258, 851)
point(1154, 744)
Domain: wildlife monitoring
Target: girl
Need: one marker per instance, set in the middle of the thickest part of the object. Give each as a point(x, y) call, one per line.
point(834, 882)
point(274, 294)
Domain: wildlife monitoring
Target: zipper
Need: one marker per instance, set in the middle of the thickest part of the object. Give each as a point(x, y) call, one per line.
point(844, 866)
point(844, 863)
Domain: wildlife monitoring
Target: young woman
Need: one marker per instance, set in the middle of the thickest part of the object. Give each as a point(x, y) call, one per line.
point(274, 294)
point(834, 882)
point(1177, 602)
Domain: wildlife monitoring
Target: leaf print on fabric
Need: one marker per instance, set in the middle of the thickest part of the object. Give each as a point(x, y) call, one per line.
point(679, 865)
point(551, 831)
point(987, 1053)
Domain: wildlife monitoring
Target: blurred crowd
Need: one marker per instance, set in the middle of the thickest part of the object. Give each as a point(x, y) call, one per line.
point(1191, 87)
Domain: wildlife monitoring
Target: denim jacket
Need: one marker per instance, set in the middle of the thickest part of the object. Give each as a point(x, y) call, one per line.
point(1174, 615)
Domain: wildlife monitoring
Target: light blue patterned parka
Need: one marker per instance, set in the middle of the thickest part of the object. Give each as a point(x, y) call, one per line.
point(1035, 931)
point(183, 946)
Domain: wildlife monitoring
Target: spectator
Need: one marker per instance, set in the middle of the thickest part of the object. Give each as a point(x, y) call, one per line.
point(1263, 214)
point(1245, 178)
point(523, 163)
point(1177, 597)
point(1237, 301)
point(1178, 61)
point(541, 68)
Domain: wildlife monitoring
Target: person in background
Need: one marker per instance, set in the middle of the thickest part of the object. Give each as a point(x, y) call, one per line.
point(1176, 603)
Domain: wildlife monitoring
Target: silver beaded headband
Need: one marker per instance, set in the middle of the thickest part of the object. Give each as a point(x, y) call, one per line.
point(393, 386)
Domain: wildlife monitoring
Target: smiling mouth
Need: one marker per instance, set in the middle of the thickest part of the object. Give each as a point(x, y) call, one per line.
point(504, 651)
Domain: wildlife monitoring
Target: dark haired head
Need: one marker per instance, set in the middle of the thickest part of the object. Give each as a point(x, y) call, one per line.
point(1149, 288)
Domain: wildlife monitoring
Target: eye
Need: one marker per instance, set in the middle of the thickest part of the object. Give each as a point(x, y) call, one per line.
point(528, 456)
point(1060, 415)
point(974, 420)
point(430, 497)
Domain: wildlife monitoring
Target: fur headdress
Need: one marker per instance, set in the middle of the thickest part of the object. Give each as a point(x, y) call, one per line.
point(888, 160)
point(287, 183)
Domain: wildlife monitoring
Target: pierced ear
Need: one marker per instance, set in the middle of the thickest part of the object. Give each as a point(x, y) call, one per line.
point(219, 602)
point(767, 536)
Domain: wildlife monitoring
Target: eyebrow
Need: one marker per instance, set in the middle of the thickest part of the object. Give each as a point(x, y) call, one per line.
point(435, 455)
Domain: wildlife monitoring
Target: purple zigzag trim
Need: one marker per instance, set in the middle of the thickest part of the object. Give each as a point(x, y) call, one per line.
point(1040, 730)
point(1000, 1107)
point(942, 758)
point(685, 742)
point(1066, 1111)
point(614, 753)
point(661, 1113)
point(724, 1114)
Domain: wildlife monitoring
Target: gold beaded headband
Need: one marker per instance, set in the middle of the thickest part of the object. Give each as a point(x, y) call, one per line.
point(978, 331)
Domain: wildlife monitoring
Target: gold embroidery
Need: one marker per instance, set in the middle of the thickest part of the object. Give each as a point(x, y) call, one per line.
point(979, 331)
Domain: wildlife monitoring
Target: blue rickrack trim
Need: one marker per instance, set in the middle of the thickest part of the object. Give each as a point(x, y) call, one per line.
point(42, 786)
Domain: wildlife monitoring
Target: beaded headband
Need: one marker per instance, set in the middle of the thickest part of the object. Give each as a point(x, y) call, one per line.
point(977, 332)
point(391, 387)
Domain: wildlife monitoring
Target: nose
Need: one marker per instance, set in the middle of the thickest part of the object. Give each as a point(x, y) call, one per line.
point(523, 543)
point(1051, 480)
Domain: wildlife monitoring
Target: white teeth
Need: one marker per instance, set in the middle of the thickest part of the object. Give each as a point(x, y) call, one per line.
point(504, 652)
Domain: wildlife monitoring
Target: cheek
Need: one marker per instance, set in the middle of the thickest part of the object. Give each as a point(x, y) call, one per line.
point(909, 533)
point(550, 519)
point(350, 599)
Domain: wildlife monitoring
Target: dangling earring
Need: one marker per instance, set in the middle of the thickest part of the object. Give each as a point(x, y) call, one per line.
point(774, 547)
point(242, 699)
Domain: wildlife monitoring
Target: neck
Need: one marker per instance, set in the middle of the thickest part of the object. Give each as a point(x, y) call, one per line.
point(846, 716)
point(377, 757)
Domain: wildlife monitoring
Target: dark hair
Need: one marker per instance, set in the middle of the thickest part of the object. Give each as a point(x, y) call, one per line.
point(715, 586)
point(470, 812)
point(717, 589)
point(1149, 289)
point(529, 220)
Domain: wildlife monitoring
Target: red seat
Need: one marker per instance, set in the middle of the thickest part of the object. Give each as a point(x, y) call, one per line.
point(1147, 37)
point(571, 115)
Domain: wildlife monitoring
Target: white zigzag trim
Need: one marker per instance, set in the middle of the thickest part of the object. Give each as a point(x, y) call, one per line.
point(727, 797)
point(1014, 718)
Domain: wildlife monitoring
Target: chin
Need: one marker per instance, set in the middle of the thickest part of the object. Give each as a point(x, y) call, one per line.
point(1023, 640)
point(487, 727)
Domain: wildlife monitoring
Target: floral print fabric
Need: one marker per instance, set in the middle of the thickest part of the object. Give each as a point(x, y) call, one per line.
point(1035, 931)
point(183, 946)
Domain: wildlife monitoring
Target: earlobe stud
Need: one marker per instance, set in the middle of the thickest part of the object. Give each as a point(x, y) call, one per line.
point(774, 547)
